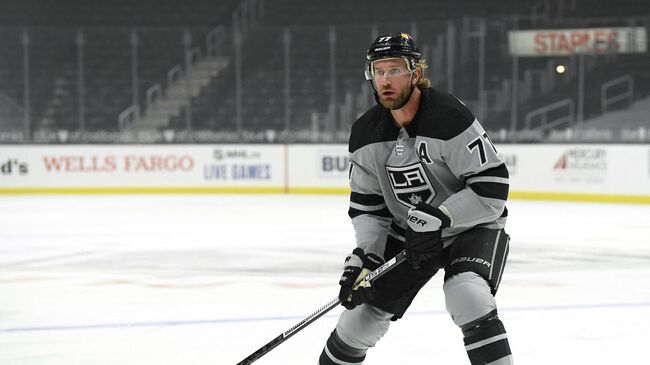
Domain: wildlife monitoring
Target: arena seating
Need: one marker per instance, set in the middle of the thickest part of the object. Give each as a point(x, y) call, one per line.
point(107, 28)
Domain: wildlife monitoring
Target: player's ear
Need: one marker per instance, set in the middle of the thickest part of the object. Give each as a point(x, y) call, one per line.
point(415, 76)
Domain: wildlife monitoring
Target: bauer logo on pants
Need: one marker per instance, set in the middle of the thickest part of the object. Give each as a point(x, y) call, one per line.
point(410, 184)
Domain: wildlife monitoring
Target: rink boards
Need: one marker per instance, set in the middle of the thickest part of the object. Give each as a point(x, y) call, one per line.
point(588, 172)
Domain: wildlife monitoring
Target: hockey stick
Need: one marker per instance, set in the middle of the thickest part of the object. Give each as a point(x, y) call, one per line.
point(381, 270)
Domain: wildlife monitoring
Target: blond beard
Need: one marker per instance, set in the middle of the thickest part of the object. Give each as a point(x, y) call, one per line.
point(398, 103)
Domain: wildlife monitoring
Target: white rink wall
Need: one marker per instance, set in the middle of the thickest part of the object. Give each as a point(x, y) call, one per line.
point(584, 172)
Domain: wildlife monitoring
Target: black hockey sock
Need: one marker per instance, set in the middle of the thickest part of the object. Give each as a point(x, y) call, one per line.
point(486, 340)
point(336, 352)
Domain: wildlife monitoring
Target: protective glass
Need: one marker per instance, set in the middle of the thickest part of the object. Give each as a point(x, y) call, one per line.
point(388, 70)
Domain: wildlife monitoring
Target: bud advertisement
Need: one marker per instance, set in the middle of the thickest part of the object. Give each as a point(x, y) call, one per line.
point(318, 167)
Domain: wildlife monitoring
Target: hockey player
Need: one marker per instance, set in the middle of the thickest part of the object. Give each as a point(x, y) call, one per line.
point(425, 178)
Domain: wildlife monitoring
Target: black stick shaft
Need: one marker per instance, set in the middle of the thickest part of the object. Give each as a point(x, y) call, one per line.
point(319, 313)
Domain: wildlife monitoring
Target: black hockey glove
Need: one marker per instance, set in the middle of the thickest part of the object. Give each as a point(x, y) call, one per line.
point(424, 233)
point(355, 290)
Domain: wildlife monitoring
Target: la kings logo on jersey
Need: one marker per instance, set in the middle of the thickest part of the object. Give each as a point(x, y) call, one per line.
point(410, 184)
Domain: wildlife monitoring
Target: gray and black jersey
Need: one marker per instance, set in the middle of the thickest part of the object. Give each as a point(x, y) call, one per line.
point(443, 157)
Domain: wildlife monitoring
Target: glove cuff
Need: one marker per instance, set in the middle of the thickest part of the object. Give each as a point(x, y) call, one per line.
point(372, 261)
point(444, 218)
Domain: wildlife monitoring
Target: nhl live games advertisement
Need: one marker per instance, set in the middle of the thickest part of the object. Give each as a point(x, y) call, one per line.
point(234, 164)
point(153, 167)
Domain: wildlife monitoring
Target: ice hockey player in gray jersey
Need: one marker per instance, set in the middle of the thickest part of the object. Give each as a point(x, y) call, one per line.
point(425, 178)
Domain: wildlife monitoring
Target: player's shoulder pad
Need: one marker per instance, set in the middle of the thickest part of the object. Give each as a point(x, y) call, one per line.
point(373, 126)
point(442, 116)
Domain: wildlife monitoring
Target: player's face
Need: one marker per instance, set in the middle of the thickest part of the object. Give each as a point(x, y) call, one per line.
point(393, 82)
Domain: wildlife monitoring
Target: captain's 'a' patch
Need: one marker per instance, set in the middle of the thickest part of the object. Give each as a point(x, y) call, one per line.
point(410, 184)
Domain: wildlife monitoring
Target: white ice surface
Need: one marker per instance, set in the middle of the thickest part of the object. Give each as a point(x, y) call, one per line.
point(208, 279)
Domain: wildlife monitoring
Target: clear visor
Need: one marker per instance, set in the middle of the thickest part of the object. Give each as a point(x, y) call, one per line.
point(388, 67)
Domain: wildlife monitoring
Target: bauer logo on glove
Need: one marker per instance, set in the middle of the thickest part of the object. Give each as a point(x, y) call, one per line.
point(425, 218)
point(424, 233)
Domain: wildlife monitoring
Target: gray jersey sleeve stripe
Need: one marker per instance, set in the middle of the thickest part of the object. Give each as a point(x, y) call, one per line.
point(500, 180)
point(498, 171)
point(367, 208)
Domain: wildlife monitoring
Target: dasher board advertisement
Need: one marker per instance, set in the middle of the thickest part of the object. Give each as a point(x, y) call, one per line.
point(116, 168)
point(566, 42)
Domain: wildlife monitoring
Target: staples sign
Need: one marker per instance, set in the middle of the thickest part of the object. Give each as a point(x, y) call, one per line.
point(566, 42)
